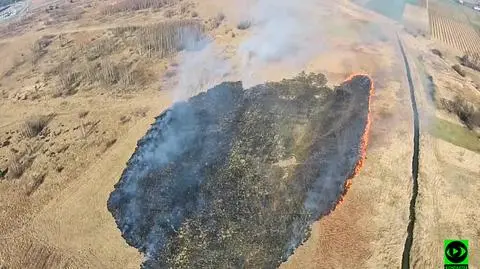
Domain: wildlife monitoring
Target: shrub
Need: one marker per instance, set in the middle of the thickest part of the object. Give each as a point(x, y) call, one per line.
point(108, 74)
point(67, 79)
point(89, 72)
point(16, 167)
point(83, 114)
point(35, 182)
point(110, 143)
point(459, 70)
point(169, 13)
point(184, 8)
point(217, 21)
point(244, 25)
point(432, 88)
point(39, 47)
point(3, 174)
point(98, 48)
point(220, 16)
point(165, 38)
point(34, 125)
point(141, 112)
point(64, 14)
point(437, 52)
point(471, 60)
point(125, 77)
point(112, 74)
point(134, 5)
point(119, 31)
point(465, 111)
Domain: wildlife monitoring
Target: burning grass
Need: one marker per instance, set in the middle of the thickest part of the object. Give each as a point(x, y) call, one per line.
point(234, 178)
point(363, 141)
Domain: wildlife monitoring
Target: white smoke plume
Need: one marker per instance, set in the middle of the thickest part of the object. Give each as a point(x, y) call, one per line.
point(283, 33)
point(200, 69)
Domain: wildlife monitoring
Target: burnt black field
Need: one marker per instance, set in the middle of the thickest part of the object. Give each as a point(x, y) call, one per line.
point(233, 177)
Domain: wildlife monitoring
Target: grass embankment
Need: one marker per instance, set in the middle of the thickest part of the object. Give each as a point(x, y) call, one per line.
point(455, 134)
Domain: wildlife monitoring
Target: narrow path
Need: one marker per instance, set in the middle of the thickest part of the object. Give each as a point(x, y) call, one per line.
point(416, 150)
point(101, 27)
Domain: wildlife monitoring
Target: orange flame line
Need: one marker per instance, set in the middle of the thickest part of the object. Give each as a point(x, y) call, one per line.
point(363, 142)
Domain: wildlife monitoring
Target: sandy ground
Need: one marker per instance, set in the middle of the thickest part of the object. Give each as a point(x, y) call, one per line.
point(65, 223)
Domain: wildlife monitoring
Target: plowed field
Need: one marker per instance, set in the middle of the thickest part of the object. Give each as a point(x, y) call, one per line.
point(454, 33)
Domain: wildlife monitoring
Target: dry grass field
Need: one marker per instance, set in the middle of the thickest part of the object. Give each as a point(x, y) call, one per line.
point(75, 98)
point(81, 81)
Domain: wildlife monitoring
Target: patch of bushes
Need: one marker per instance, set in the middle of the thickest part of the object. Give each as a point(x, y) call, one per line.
point(34, 125)
point(162, 39)
point(432, 88)
point(3, 173)
point(82, 114)
point(169, 13)
point(98, 49)
point(68, 81)
point(17, 166)
point(165, 38)
point(465, 111)
point(437, 52)
point(184, 8)
point(459, 70)
point(112, 74)
point(134, 5)
point(121, 31)
point(244, 25)
point(471, 60)
point(90, 72)
point(108, 73)
point(63, 14)
point(35, 183)
point(39, 47)
point(217, 21)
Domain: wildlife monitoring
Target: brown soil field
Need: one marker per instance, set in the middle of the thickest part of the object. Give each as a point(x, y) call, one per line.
point(454, 33)
point(82, 81)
